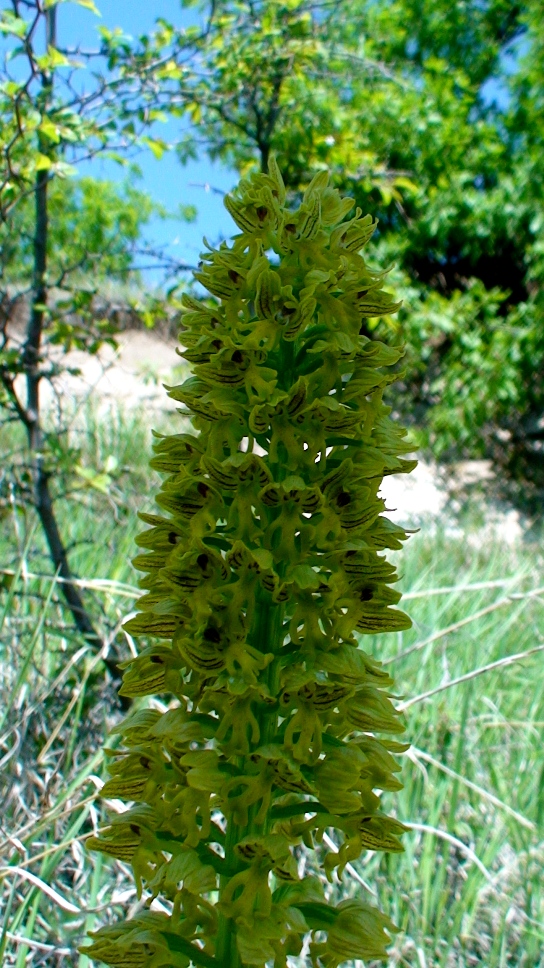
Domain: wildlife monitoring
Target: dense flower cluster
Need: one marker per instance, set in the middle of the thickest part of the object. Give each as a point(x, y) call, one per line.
point(263, 565)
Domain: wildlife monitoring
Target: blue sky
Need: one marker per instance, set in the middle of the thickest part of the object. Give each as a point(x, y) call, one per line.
point(166, 180)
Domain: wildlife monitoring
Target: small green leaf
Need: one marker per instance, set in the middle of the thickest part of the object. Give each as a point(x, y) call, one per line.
point(49, 130)
point(63, 169)
point(401, 181)
point(42, 162)
point(10, 24)
point(157, 146)
point(89, 5)
point(99, 481)
point(53, 59)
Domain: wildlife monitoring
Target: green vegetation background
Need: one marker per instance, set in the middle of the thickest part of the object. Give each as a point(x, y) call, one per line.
point(431, 115)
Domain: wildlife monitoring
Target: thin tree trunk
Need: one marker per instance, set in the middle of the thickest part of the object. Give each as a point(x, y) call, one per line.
point(264, 151)
point(31, 359)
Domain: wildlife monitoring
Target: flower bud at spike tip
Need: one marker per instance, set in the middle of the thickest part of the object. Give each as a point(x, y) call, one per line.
point(262, 569)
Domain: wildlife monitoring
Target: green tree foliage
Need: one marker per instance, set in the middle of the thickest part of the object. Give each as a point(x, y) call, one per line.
point(94, 226)
point(94, 237)
point(469, 234)
point(261, 569)
point(430, 112)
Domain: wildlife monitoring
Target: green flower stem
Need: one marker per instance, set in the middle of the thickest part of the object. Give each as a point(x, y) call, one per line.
point(225, 949)
point(267, 637)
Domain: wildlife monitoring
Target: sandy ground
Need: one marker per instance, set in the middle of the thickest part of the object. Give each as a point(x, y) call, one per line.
point(134, 376)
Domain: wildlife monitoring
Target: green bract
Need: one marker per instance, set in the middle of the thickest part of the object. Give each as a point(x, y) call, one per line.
point(263, 565)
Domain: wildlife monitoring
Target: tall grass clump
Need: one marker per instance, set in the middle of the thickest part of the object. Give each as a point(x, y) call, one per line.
point(470, 882)
point(57, 700)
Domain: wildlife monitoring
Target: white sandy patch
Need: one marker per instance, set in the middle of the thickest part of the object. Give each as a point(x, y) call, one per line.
point(415, 495)
point(132, 375)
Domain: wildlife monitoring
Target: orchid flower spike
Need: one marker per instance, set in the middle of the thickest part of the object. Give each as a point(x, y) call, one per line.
point(263, 568)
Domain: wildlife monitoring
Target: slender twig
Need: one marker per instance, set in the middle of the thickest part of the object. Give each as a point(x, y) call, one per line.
point(39, 883)
point(508, 660)
point(444, 835)
point(518, 596)
point(415, 754)
point(38, 945)
point(122, 589)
